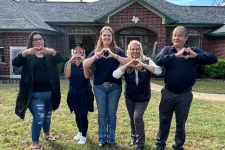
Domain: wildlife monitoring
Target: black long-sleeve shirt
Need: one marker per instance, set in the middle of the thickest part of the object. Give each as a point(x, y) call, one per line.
point(180, 73)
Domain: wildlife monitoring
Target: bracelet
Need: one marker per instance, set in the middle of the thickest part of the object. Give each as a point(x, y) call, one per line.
point(96, 55)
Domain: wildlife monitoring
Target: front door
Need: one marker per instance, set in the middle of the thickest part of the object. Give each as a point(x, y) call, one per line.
point(130, 38)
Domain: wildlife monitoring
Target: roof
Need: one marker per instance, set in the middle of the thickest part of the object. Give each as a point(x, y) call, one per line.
point(14, 16)
point(40, 15)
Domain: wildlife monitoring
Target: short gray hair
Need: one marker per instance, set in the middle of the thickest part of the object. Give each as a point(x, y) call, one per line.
point(183, 29)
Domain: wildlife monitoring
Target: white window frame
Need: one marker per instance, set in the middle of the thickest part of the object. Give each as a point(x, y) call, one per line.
point(17, 49)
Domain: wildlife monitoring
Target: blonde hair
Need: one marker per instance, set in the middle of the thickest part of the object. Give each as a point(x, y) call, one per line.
point(113, 47)
point(142, 57)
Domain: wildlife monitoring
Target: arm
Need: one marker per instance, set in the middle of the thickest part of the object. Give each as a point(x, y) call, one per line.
point(204, 57)
point(87, 73)
point(19, 60)
point(67, 70)
point(118, 73)
point(152, 67)
point(87, 63)
point(163, 57)
point(119, 57)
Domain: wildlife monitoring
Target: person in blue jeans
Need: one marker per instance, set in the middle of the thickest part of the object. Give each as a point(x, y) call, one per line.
point(80, 96)
point(107, 90)
point(39, 86)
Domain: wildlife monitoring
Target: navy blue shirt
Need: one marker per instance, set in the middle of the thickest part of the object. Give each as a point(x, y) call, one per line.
point(77, 80)
point(104, 69)
point(180, 73)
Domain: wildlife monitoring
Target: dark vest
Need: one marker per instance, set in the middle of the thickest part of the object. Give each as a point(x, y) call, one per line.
point(140, 92)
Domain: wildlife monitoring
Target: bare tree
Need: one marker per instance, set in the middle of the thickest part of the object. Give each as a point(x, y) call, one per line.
point(215, 3)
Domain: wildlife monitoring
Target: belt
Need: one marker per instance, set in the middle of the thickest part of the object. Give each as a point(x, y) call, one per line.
point(177, 91)
point(109, 84)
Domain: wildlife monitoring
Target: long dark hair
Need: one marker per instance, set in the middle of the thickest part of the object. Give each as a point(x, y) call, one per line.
point(30, 39)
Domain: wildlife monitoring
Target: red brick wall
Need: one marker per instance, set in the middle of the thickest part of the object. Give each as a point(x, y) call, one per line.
point(147, 19)
point(20, 39)
point(216, 45)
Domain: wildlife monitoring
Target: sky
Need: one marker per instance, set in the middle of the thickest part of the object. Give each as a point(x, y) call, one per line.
point(178, 2)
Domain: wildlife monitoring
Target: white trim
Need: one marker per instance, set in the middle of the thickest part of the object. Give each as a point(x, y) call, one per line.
point(12, 49)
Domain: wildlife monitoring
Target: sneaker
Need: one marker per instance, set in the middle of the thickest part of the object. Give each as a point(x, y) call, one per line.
point(78, 136)
point(82, 140)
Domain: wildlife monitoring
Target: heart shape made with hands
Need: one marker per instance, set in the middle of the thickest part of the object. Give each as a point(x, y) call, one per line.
point(135, 62)
point(185, 53)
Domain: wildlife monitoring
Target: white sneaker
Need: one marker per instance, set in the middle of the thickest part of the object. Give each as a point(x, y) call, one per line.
point(78, 136)
point(83, 140)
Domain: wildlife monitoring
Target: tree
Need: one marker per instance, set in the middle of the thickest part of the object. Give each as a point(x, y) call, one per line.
point(215, 3)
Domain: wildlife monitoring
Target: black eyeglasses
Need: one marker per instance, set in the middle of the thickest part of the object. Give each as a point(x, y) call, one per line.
point(37, 39)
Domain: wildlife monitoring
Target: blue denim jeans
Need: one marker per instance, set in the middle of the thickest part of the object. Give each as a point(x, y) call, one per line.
point(107, 99)
point(41, 109)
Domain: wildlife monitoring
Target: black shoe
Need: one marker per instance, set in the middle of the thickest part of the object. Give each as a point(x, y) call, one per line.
point(101, 145)
point(111, 145)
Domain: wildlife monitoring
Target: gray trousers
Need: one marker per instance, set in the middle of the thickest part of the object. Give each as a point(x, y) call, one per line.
point(136, 111)
point(170, 103)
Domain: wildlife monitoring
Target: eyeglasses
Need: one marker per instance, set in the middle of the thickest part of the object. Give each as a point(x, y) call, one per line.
point(37, 39)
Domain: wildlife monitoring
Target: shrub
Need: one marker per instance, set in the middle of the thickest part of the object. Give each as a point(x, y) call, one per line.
point(217, 70)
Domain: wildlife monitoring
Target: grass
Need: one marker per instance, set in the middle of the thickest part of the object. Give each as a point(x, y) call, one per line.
point(205, 125)
point(203, 86)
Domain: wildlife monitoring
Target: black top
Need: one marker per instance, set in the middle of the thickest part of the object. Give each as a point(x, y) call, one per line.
point(180, 73)
point(77, 79)
point(41, 77)
point(104, 69)
point(140, 92)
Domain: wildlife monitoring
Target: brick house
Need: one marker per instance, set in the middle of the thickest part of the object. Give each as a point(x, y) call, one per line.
point(149, 21)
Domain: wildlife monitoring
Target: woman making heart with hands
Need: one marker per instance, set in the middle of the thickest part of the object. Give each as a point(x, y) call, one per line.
point(39, 86)
point(106, 57)
point(80, 96)
point(137, 91)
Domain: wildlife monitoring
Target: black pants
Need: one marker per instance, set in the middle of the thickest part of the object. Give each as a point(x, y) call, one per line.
point(136, 111)
point(81, 116)
point(180, 104)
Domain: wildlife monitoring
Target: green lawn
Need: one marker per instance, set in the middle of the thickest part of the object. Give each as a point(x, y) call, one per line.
point(204, 86)
point(205, 126)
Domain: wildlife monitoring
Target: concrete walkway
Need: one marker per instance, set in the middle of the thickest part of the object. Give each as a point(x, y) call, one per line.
point(218, 97)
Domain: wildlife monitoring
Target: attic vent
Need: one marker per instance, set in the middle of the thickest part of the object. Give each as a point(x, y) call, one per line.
point(81, 31)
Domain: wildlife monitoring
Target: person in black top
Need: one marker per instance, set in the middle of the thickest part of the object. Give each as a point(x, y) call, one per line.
point(137, 89)
point(39, 85)
point(80, 95)
point(180, 62)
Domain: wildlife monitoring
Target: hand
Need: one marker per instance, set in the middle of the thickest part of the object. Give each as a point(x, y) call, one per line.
point(45, 50)
point(30, 51)
point(134, 63)
point(104, 53)
point(191, 53)
point(76, 59)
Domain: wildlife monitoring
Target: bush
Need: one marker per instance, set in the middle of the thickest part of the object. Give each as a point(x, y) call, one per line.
point(217, 70)
point(61, 65)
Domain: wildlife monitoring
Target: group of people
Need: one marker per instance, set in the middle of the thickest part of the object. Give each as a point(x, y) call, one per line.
point(40, 86)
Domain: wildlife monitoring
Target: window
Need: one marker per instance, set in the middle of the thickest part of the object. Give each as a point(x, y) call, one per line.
point(2, 58)
point(15, 72)
point(193, 38)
